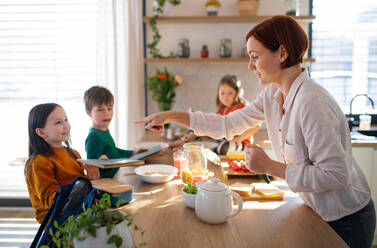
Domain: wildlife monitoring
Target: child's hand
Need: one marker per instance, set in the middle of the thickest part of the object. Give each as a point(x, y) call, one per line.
point(189, 137)
point(176, 143)
point(238, 139)
point(92, 172)
point(139, 151)
point(103, 157)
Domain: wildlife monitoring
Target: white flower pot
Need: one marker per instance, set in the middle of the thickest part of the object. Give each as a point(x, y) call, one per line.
point(100, 241)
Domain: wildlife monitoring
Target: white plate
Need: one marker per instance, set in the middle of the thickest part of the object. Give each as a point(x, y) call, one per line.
point(169, 169)
point(150, 144)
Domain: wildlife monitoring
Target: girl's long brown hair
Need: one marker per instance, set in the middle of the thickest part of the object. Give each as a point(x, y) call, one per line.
point(37, 145)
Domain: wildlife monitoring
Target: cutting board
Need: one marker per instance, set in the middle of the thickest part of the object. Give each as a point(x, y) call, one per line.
point(227, 172)
point(253, 196)
point(111, 163)
point(110, 185)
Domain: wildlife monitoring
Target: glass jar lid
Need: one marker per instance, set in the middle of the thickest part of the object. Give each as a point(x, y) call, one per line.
point(193, 145)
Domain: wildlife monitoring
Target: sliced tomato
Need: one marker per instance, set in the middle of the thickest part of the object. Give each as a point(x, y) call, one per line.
point(234, 165)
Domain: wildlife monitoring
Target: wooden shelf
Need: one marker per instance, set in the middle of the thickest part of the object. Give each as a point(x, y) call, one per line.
point(217, 19)
point(204, 60)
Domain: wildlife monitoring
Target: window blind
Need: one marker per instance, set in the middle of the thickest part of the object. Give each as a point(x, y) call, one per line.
point(47, 54)
point(344, 44)
point(47, 48)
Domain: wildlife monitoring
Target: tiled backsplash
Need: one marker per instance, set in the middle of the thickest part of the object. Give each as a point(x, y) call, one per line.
point(200, 81)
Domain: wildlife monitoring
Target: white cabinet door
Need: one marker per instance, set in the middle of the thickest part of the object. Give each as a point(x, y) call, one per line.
point(365, 157)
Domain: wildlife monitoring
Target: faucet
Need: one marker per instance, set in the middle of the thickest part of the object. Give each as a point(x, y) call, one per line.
point(351, 119)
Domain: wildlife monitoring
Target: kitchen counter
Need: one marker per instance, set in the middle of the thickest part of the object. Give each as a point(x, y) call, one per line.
point(261, 138)
point(159, 210)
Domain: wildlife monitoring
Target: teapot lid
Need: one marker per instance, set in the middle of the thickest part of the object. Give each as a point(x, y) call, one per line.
point(214, 184)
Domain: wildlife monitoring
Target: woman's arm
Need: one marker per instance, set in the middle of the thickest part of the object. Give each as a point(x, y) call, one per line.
point(246, 135)
point(156, 121)
point(259, 162)
point(210, 124)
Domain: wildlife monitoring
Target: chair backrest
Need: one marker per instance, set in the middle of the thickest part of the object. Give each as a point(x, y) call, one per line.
point(69, 200)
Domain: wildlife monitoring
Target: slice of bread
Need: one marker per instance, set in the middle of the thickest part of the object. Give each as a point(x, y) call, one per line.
point(244, 190)
point(267, 190)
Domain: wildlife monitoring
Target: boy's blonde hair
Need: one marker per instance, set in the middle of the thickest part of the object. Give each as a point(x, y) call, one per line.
point(97, 95)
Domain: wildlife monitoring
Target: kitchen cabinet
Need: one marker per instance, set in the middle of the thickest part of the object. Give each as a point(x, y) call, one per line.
point(366, 157)
point(374, 188)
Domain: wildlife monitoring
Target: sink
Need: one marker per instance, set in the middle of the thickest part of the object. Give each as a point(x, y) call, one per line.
point(370, 132)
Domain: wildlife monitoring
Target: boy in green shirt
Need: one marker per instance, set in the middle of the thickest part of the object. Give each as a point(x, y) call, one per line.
point(99, 144)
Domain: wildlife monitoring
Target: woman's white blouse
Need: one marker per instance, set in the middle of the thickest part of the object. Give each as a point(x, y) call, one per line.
point(309, 133)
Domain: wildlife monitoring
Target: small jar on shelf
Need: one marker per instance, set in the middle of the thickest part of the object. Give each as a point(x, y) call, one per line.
point(225, 48)
point(292, 7)
point(183, 48)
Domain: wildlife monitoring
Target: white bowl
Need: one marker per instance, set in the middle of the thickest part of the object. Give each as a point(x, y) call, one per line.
point(143, 171)
point(189, 199)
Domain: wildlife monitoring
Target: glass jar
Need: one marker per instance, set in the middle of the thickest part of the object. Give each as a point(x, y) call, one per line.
point(193, 163)
point(184, 48)
point(292, 7)
point(225, 48)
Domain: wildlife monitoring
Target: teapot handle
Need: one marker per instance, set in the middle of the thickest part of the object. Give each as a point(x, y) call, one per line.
point(239, 202)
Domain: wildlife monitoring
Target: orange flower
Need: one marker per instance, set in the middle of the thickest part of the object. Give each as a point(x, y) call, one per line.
point(161, 76)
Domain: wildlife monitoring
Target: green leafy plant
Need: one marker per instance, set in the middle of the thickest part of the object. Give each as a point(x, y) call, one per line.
point(190, 189)
point(163, 86)
point(91, 219)
point(158, 10)
point(204, 47)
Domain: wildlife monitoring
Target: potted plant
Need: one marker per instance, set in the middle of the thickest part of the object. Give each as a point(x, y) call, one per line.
point(98, 226)
point(163, 86)
point(212, 7)
point(204, 52)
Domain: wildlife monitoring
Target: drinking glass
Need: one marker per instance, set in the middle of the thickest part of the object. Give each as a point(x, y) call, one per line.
point(177, 154)
point(364, 123)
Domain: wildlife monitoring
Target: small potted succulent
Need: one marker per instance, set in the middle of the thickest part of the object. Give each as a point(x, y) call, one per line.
point(212, 7)
point(204, 52)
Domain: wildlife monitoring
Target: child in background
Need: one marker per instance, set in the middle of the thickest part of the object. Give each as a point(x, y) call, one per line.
point(99, 144)
point(228, 99)
point(50, 164)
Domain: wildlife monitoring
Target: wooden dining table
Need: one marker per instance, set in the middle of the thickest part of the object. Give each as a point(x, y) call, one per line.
point(159, 210)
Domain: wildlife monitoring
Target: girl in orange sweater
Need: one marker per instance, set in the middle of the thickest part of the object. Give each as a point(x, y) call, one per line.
point(51, 164)
point(228, 99)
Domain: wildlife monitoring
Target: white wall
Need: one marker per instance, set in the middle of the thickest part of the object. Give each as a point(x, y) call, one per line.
point(200, 80)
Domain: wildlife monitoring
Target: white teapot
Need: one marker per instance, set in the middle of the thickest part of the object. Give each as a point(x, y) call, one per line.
point(214, 204)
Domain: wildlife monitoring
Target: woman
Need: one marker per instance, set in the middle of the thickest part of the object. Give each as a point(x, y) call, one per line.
point(308, 131)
